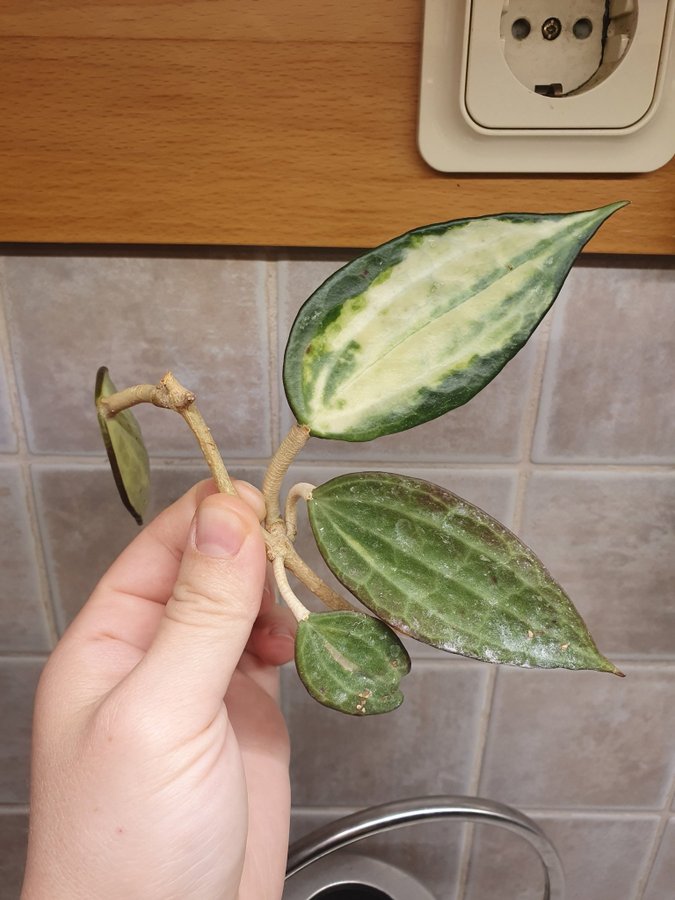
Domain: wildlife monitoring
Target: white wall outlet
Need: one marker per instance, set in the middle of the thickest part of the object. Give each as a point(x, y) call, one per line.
point(548, 85)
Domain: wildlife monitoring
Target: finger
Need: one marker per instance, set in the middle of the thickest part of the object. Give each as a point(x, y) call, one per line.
point(272, 639)
point(269, 597)
point(252, 496)
point(128, 602)
point(209, 617)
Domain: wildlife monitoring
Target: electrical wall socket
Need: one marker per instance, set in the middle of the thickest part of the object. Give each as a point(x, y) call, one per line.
point(558, 47)
point(555, 79)
point(548, 85)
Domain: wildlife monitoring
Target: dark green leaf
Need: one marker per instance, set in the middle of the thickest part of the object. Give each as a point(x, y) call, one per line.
point(443, 571)
point(126, 451)
point(421, 324)
point(351, 662)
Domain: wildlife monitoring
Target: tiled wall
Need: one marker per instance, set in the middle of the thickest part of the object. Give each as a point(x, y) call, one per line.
point(573, 446)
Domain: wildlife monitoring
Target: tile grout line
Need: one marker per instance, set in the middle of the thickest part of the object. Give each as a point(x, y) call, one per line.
point(272, 298)
point(14, 809)
point(466, 852)
point(94, 459)
point(527, 433)
point(24, 465)
point(24, 656)
point(530, 425)
point(666, 814)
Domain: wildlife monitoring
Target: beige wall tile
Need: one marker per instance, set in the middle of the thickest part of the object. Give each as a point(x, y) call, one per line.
point(18, 681)
point(7, 433)
point(662, 879)
point(611, 365)
point(603, 859)
point(581, 739)
point(608, 538)
point(23, 624)
point(85, 526)
point(204, 318)
point(428, 852)
point(13, 841)
point(485, 430)
point(424, 747)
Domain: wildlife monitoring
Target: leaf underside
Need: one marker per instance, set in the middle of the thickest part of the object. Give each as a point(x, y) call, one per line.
point(126, 451)
point(419, 325)
point(441, 570)
point(351, 662)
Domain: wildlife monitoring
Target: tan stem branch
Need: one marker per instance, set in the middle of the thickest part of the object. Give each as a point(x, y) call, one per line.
point(317, 585)
point(209, 448)
point(131, 396)
point(301, 491)
point(286, 591)
point(170, 394)
point(289, 448)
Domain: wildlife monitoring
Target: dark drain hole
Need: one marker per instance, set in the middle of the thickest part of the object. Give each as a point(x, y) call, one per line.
point(351, 892)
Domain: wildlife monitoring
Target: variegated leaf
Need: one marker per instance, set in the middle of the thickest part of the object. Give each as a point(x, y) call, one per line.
point(421, 324)
point(441, 570)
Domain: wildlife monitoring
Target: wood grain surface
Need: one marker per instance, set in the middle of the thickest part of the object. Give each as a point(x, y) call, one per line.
point(266, 123)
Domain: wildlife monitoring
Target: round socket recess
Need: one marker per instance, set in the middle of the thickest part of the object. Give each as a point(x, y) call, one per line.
point(562, 64)
point(481, 112)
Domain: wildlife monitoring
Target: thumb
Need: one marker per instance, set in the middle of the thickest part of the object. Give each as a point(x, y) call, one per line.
point(209, 617)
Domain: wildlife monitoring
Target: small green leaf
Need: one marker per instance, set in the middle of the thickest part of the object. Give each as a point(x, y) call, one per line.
point(351, 662)
point(126, 451)
point(420, 325)
point(443, 571)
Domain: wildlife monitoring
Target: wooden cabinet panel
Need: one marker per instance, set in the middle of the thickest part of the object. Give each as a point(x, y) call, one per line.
point(261, 123)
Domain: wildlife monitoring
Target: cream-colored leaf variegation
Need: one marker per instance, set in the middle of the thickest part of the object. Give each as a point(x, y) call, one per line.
point(420, 325)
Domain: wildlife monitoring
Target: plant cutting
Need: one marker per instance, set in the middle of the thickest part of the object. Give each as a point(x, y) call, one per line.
point(399, 336)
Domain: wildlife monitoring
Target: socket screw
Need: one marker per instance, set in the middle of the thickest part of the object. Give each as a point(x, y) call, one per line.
point(551, 29)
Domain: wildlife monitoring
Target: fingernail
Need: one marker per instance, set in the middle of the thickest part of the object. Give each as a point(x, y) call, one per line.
point(219, 531)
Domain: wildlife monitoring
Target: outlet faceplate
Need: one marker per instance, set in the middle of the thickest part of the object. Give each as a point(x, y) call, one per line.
point(548, 85)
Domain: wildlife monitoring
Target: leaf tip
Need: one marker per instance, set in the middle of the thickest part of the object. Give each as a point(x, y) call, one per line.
point(98, 385)
point(604, 212)
point(618, 204)
point(127, 455)
point(606, 665)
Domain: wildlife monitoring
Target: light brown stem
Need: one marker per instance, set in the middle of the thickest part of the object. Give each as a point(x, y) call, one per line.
point(317, 585)
point(170, 394)
point(289, 448)
point(287, 592)
point(301, 491)
point(209, 448)
point(121, 400)
point(281, 532)
point(183, 401)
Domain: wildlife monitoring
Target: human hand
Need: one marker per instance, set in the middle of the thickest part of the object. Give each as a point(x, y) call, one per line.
point(145, 782)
